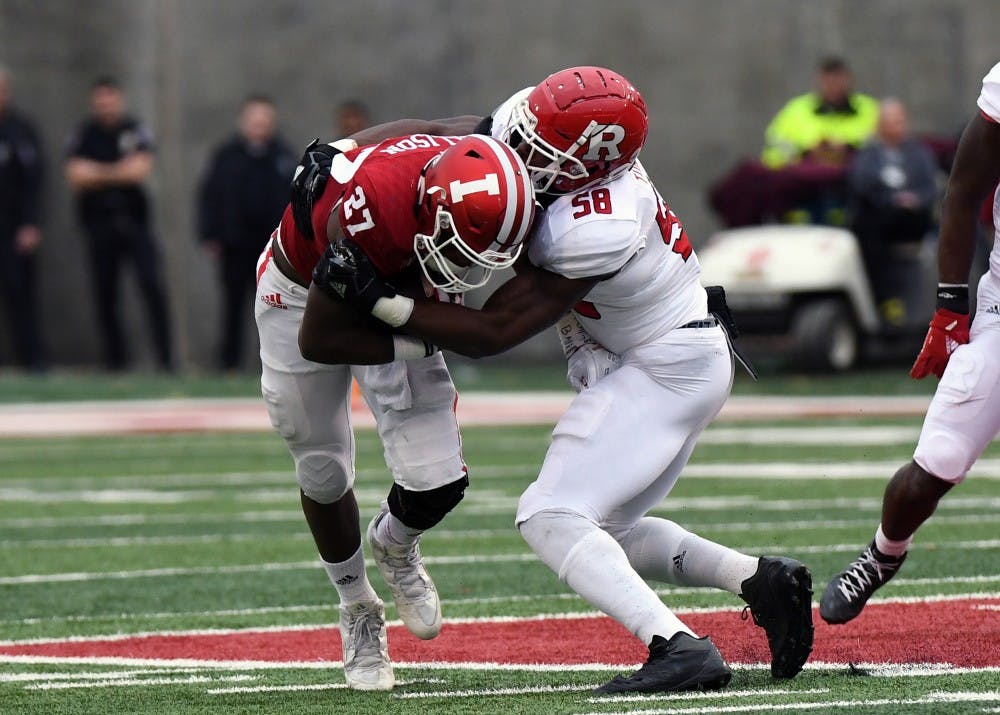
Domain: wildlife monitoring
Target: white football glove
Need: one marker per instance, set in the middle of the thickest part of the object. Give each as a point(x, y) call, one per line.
point(588, 360)
point(589, 364)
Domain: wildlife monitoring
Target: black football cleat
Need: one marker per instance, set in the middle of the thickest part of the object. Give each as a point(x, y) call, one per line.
point(780, 600)
point(681, 663)
point(849, 591)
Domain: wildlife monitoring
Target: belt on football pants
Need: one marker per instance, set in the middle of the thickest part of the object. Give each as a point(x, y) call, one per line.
point(709, 322)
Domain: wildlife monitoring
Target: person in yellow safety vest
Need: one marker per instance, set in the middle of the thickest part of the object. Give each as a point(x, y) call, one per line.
point(826, 125)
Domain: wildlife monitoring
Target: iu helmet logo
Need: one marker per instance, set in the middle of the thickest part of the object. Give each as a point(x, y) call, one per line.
point(583, 126)
point(475, 207)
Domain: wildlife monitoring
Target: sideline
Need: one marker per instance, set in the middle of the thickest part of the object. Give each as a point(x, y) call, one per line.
point(121, 417)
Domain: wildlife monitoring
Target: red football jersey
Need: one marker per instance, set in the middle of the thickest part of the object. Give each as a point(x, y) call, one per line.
point(373, 189)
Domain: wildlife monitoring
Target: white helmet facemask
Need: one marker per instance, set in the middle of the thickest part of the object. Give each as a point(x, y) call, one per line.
point(443, 273)
point(545, 163)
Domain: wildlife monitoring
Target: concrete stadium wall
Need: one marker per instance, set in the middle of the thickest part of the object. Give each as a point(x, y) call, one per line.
point(712, 72)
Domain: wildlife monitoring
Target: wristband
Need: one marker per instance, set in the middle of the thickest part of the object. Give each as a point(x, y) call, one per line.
point(409, 348)
point(953, 297)
point(394, 311)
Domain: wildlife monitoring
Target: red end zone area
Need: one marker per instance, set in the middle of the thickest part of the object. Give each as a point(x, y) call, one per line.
point(963, 633)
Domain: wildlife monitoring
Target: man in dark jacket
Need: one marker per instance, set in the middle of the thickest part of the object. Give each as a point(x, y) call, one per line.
point(109, 159)
point(20, 185)
point(893, 190)
point(242, 197)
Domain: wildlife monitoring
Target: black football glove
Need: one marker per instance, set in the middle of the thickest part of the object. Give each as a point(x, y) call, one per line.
point(346, 274)
point(308, 183)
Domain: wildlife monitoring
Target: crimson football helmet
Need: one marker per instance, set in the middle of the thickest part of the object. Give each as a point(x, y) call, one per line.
point(584, 125)
point(475, 205)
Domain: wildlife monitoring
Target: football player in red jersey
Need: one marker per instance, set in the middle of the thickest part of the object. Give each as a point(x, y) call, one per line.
point(435, 214)
point(611, 265)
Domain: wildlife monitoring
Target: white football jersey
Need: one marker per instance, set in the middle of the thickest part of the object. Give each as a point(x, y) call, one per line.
point(623, 228)
point(989, 105)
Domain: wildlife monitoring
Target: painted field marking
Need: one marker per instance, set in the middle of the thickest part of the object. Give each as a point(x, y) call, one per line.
point(95, 675)
point(303, 686)
point(958, 697)
point(452, 535)
point(589, 638)
point(76, 576)
point(542, 689)
point(140, 682)
point(679, 610)
point(875, 670)
point(496, 503)
point(136, 487)
point(295, 517)
point(474, 408)
point(519, 598)
point(721, 694)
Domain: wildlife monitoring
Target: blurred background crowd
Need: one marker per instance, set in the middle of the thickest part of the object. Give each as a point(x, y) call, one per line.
point(146, 145)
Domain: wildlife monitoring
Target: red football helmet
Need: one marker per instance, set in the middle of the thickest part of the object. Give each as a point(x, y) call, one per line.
point(584, 125)
point(475, 204)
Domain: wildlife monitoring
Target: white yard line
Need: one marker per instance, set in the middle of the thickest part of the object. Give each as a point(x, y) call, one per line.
point(328, 608)
point(542, 689)
point(113, 682)
point(875, 670)
point(299, 534)
point(76, 576)
point(929, 699)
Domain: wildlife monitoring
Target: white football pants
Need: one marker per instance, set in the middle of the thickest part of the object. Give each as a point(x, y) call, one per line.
point(310, 403)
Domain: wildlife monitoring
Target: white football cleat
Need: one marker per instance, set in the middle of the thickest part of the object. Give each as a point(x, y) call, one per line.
point(413, 591)
point(366, 652)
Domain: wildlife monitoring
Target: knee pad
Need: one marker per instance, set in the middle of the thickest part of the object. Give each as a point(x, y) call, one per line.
point(558, 537)
point(945, 455)
point(423, 510)
point(324, 477)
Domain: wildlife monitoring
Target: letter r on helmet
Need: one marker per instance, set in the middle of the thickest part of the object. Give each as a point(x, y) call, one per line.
point(608, 138)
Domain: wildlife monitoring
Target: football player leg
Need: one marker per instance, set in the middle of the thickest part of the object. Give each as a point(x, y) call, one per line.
point(309, 406)
point(414, 406)
point(609, 446)
point(777, 590)
point(963, 417)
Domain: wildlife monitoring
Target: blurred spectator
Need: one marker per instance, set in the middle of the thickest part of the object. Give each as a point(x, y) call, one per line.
point(893, 188)
point(109, 158)
point(801, 175)
point(20, 186)
point(351, 117)
point(241, 200)
point(822, 126)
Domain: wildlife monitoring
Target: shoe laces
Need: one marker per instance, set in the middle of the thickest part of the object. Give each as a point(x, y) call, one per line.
point(406, 568)
point(365, 630)
point(864, 575)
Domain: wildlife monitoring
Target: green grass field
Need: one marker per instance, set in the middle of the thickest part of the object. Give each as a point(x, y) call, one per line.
point(102, 536)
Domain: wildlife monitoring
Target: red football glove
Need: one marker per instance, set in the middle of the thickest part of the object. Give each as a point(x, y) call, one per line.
point(948, 330)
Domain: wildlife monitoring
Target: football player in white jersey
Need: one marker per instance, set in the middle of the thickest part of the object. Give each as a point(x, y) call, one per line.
point(964, 415)
point(613, 266)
